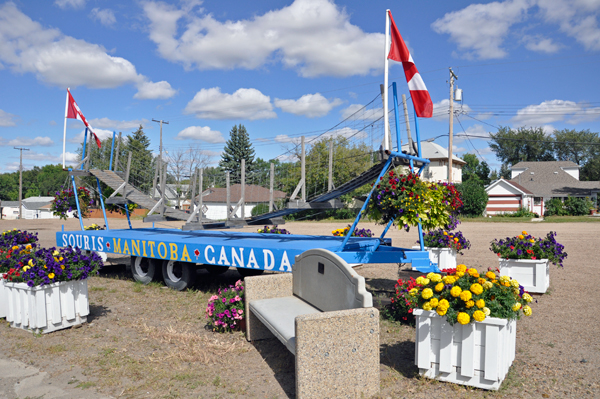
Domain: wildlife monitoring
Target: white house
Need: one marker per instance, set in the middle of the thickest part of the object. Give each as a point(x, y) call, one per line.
point(536, 183)
point(437, 170)
point(214, 200)
point(33, 208)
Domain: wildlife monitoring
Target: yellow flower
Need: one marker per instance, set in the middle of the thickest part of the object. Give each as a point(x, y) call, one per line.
point(491, 275)
point(30, 263)
point(15, 247)
point(516, 306)
point(463, 318)
point(504, 279)
point(461, 268)
point(427, 293)
point(444, 303)
point(480, 303)
point(439, 287)
point(434, 302)
point(470, 304)
point(514, 283)
point(527, 297)
point(449, 279)
point(520, 237)
point(487, 311)
point(455, 291)
point(532, 240)
point(50, 275)
point(473, 273)
point(466, 295)
point(524, 232)
point(441, 311)
point(460, 274)
point(26, 268)
point(62, 267)
point(527, 310)
point(476, 289)
point(427, 306)
point(413, 292)
point(422, 280)
point(55, 253)
point(28, 246)
point(481, 280)
point(436, 278)
point(478, 315)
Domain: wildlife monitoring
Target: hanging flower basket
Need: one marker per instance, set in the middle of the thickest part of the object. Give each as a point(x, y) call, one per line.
point(408, 200)
point(64, 202)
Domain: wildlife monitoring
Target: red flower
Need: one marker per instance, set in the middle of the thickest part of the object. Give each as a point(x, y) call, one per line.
point(393, 187)
point(533, 257)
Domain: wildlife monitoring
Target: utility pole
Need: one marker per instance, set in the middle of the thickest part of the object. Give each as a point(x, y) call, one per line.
point(161, 146)
point(452, 77)
point(21, 180)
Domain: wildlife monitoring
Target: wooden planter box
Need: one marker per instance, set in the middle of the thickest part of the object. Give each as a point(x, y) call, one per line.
point(533, 275)
point(3, 298)
point(47, 308)
point(477, 354)
point(444, 257)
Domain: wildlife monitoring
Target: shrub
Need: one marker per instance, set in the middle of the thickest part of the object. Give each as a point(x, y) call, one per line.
point(577, 206)
point(402, 304)
point(555, 207)
point(260, 209)
point(474, 198)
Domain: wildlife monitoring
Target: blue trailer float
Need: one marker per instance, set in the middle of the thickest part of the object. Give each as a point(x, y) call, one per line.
point(175, 255)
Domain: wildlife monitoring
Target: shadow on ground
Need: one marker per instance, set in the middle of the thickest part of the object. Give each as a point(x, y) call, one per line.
point(400, 356)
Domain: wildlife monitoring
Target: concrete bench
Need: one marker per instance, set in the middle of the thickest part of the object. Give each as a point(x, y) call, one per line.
point(323, 314)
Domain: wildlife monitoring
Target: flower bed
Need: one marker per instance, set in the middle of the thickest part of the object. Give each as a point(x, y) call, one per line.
point(526, 246)
point(225, 311)
point(273, 230)
point(357, 232)
point(64, 202)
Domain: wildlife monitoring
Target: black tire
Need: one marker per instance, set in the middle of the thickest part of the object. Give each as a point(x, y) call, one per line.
point(250, 272)
point(178, 275)
point(145, 270)
point(216, 270)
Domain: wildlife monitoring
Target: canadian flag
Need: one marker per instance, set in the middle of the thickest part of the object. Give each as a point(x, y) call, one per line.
point(418, 91)
point(73, 112)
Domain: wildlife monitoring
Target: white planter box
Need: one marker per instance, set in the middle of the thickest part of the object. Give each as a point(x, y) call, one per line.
point(476, 354)
point(3, 298)
point(47, 308)
point(533, 275)
point(444, 257)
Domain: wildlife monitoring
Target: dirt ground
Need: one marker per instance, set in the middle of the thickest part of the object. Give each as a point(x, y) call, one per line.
point(152, 342)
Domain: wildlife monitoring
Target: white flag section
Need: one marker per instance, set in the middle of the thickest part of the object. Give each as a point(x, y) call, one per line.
point(72, 111)
point(395, 49)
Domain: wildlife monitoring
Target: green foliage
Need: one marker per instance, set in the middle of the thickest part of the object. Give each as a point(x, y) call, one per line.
point(260, 209)
point(474, 170)
point(238, 147)
point(474, 198)
point(578, 206)
point(520, 213)
point(555, 207)
point(505, 172)
point(142, 162)
point(591, 170)
point(576, 146)
point(513, 146)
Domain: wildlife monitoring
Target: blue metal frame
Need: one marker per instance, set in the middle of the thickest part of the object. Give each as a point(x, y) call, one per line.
point(84, 144)
point(102, 203)
point(112, 149)
point(77, 202)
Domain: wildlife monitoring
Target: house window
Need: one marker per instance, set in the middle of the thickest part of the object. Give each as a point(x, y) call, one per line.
point(537, 200)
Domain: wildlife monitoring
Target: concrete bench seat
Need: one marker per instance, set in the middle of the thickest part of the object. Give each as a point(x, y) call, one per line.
point(323, 315)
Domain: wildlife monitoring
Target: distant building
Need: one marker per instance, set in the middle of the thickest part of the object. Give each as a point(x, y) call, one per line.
point(437, 170)
point(33, 208)
point(533, 184)
point(214, 200)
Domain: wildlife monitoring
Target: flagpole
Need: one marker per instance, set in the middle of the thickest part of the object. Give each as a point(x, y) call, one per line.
point(65, 128)
point(386, 132)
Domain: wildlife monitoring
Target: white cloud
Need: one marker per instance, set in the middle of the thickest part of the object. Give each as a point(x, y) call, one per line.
point(7, 119)
point(154, 90)
point(309, 105)
point(106, 17)
point(105, 123)
point(57, 59)
point(28, 142)
point(480, 29)
point(314, 37)
point(356, 112)
point(284, 138)
point(540, 44)
point(576, 18)
point(203, 133)
point(554, 111)
point(441, 109)
point(347, 132)
point(243, 104)
point(101, 133)
point(70, 3)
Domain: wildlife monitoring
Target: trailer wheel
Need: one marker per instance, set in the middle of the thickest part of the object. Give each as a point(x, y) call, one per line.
point(216, 270)
point(250, 272)
point(145, 270)
point(178, 275)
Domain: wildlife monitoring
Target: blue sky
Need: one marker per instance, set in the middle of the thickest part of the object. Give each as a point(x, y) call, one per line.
point(286, 68)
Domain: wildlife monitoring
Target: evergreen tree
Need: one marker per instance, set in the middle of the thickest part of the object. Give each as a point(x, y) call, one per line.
point(238, 147)
point(142, 162)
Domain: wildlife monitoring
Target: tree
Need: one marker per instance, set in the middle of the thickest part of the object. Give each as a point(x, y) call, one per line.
point(505, 172)
point(238, 147)
point(576, 146)
point(475, 170)
point(9, 186)
point(513, 146)
point(474, 198)
point(141, 173)
point(591, 170)
point(51, 178)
